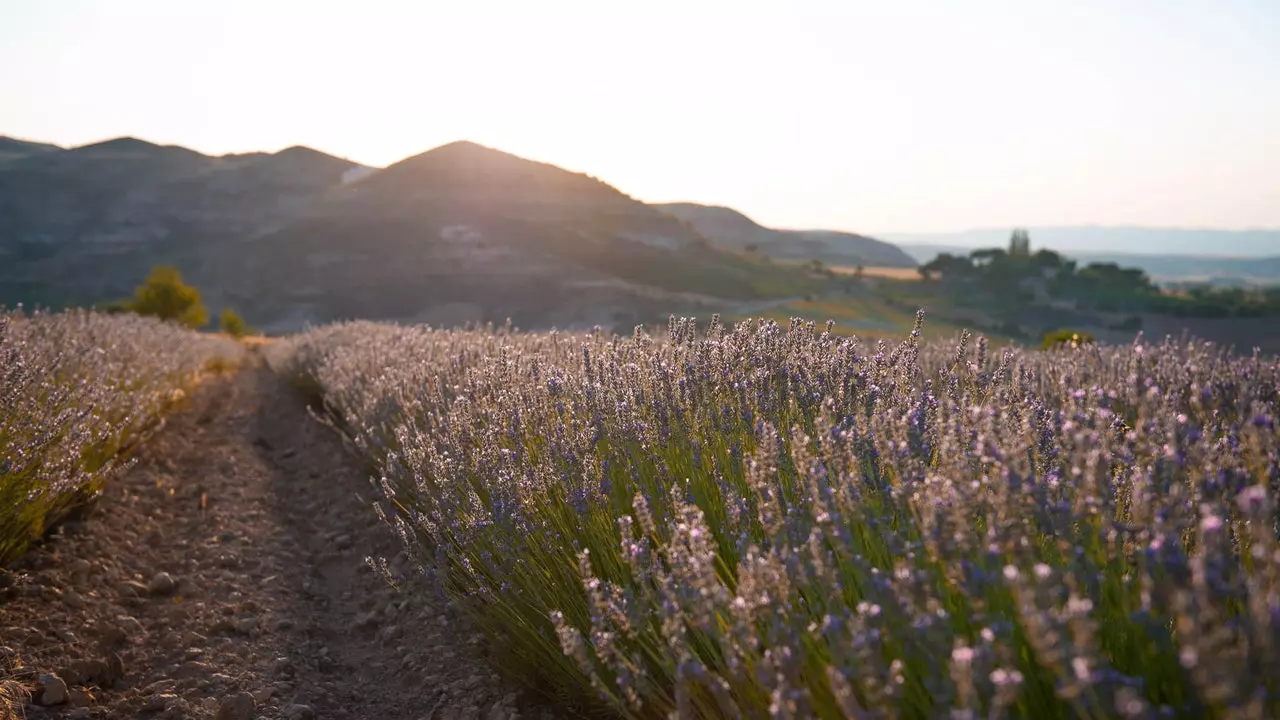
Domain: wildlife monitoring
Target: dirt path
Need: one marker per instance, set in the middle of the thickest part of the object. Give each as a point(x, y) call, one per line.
point(224, 576)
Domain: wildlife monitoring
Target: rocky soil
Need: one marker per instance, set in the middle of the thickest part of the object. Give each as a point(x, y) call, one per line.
point(225, 576)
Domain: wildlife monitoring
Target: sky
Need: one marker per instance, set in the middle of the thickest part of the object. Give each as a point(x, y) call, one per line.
point(902, 115)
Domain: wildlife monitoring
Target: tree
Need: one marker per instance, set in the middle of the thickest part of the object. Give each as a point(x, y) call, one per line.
point(859, 271)
point(1020, 243)
point(230, 322)
point(166, 296)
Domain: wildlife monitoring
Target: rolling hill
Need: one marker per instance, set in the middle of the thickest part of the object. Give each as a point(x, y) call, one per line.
point(83, 225)
point(734, 229)
point(459, 233)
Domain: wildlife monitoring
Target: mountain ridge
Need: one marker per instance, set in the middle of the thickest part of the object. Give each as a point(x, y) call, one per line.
point(734, 228)
point(458, 233)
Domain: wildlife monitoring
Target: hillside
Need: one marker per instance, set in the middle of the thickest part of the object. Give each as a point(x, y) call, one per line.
point(731, 228)
point(13, 148)
point(459, 233)
point(83, 225)
point(467, 233)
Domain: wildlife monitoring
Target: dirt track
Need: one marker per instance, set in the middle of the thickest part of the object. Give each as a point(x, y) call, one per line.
point(224, 576)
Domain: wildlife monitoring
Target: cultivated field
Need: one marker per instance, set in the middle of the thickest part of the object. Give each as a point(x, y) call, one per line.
point(771, 521)
point(77, 390)
point(889, 273)
point(718, 522)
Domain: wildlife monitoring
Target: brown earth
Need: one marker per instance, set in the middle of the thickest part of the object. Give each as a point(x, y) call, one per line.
point(224, 576)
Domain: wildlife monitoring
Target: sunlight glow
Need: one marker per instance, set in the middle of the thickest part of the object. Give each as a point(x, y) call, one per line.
point(867, 116)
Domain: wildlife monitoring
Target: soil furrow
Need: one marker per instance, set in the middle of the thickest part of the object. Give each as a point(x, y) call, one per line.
point(224, 575)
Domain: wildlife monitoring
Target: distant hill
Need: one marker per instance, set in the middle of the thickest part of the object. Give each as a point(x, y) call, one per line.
point(13, 148)
point(732, 228)
point(459, 233)
point(1095, 239)
point(466, 232)
point(83, 225)
point(1173, 268)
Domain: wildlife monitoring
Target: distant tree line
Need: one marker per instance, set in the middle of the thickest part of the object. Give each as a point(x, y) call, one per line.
point(1017, 274)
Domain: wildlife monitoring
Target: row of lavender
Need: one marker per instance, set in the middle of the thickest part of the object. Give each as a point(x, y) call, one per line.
point(77, 389)
point(770, 521)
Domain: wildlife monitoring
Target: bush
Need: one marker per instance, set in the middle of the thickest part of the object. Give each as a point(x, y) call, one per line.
point(1066, 338)
point(166, 296)
point(721, 524)
point(230, 322)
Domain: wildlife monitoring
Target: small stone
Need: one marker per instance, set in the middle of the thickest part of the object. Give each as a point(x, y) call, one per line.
point(70, 675)
point(366, 620)
point(51, 690)
point(86, 672)
point(83, 713)
point(79, 698)
point(246, 625)
point(284, 624)
point(261, 696)
point(342, 542)
point(300, 712)
point(115, 671)
point(236, 707)
point(132, 588)
point(162, 584)
point(191, 668)
point(72, 599)
point(283, 666)
point(158, 702)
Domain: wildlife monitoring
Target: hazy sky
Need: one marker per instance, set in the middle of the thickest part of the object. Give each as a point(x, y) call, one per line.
point(871, 116)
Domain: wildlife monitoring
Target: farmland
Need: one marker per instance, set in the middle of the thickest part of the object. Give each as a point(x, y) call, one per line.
point(79, 390)
point(713, 521)
point(734, 522)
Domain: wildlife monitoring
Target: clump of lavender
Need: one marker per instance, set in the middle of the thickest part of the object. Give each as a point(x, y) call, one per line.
point(77, 389)
point(767, 521)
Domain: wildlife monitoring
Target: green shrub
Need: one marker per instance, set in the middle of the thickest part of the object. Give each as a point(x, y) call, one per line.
point(230, 322)
point(1066, 337)
point(166, 296)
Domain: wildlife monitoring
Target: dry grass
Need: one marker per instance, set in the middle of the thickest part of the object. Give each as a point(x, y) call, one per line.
point(888, 273)
point(12, 693)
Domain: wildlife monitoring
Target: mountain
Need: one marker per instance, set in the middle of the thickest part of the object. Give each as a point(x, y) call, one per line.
point(465, 232)
point(730, 227)
point(13, 148)
point(1173, 268)
point(1095, 239)
point(83, 225)
point(459, 233)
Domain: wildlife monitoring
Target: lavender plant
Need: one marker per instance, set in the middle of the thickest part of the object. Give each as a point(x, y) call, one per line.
point(76, 390)
point(770, 522)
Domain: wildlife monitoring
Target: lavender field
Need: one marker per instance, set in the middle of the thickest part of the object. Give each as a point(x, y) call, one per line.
point(77, 390)
point(778, 522)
